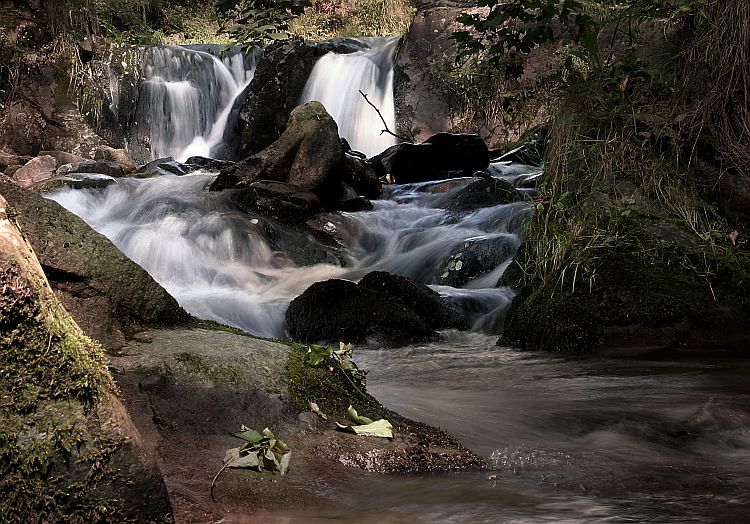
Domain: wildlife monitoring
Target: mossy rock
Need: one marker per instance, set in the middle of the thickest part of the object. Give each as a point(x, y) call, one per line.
point(68, 450)
point(109, 295)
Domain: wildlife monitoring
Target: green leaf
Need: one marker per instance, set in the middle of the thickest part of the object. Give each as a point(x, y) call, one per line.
point(316, 355)
point(356, 417)
point(248, 435)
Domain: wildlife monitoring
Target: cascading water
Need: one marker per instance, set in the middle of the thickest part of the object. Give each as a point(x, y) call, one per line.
point(336, 81)
point(220, 264)
point(186, 97)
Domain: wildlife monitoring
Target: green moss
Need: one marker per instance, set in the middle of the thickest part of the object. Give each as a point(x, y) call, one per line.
point(329, 389)
point(52, 379)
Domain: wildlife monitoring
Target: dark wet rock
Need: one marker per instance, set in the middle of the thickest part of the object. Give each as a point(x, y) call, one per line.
point(275, 91)
point(209, 164)
point(392, 309)
point(304, 245)
point(74, 181)
point(101, 167)
point(483, 193)
point(284, 202)
point(361, 176)
point(108, 295)
point(120, 156)
point(419, 298)
point(340, 310)
point(444, 155)
point(356, 204)
point(473, 258)
point(64, 430)
point(308, 154)
point(35, 170)
point(164, 166)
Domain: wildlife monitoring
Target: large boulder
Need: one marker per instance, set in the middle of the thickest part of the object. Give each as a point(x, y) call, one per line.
point(119, 156)
point(69, 451)
point(35, 170)
point(391, 309)
point(109, 295)
point(417, 297)
point(308, 154)
point(275, 91)
point(63, 157)
point(340, 310)
point(444, 155)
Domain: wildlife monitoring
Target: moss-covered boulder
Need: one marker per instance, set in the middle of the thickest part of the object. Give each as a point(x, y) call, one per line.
point(109, 295)
point(624, 252)
point(68, 450)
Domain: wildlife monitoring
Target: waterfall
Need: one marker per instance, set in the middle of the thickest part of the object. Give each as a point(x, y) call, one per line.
point(336, 81)
point(186, 96)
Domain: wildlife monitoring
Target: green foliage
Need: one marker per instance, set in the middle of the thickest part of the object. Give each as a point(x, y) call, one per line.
point(259, 22)
point(518, 26)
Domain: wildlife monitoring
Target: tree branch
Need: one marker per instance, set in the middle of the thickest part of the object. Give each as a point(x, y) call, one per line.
point(386, 130)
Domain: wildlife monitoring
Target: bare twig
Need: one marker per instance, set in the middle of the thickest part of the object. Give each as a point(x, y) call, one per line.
point(386, 130)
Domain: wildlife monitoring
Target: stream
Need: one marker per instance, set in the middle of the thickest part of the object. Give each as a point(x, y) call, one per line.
point(657, 438)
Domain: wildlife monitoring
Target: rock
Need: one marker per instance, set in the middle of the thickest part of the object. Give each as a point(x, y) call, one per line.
point(429, 96)
point(64, 432)
point(187, 387)
point(63, 157)
point(11, 170)
point(120, 156)
point(9, 159)
point(417, 297)
point(101, 167)
point(35, 170)
point(356, 204)
point(74, 181)
point(284, 202)
point(444, 155)
point(473, 258)
point(486, 192)
point(208, 164)
point(275, 91)
point(108, 295)
point(361, 176)
point(308, 154)
point(340, 310)
point(164, 166)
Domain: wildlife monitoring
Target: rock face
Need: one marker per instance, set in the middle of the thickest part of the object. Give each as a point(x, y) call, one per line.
point(429, 99)
point(109, 295)
point(64, 433)
point(389, 308)
point(275, 91)
point(444, 155)
point(120, 156)
point(473, 258)
point(100, 167)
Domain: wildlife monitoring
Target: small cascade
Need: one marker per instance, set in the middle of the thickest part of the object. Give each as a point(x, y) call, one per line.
point(226, 265)
point(336, 81)
point(186, 97)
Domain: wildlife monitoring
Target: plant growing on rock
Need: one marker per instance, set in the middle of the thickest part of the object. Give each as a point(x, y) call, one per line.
point(260, 22)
